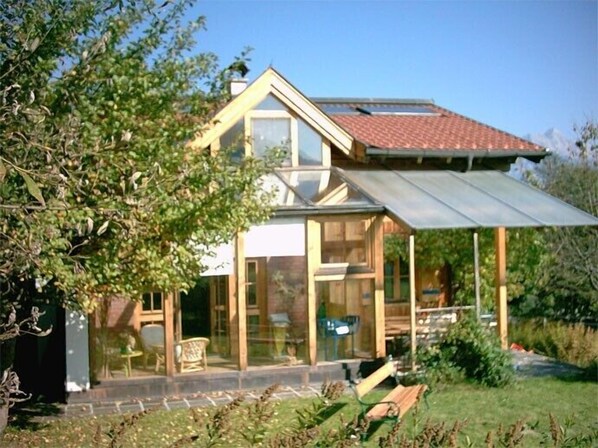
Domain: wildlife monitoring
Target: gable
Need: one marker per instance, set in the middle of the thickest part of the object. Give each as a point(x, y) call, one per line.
point(272, 83)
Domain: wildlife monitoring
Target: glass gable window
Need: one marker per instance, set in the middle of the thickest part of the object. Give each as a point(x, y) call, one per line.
point(233, 140)
point(270, 133)
point(271, 124)
point(310, 145)
point(324, 187)
point(270, 103)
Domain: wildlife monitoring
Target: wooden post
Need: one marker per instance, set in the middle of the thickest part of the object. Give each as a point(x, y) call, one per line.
point(178, 317)
point(476, 277)
point(500, 240)
point(379, 318)
point(169, 333)
point(241, 324)
point(412, 316)
point(312, 261)
point(231, 309)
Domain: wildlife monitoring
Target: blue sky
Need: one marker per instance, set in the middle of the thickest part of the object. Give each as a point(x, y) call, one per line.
point(521, 66)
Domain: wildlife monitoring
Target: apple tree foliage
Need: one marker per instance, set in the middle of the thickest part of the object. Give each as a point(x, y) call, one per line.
point(101, 193)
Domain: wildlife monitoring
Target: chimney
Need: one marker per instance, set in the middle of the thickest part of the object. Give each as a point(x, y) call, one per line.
point(237, 85)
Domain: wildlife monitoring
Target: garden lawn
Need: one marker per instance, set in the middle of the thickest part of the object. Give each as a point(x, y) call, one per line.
point(530, 400)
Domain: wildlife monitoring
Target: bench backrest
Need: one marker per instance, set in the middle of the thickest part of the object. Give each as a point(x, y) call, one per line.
point(374, 379)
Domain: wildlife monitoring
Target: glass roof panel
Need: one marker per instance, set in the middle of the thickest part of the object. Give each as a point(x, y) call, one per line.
point(407, 202)
point(447, 199)
point(534, 203)
point(283, 196)
point(324, 187)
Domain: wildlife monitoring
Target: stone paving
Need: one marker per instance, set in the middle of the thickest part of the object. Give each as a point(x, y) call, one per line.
point(172, 403)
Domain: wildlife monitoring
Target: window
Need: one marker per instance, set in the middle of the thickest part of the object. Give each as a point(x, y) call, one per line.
point(344, 242)
point(272, 125)
point(389, 280)
point(269, 133)
point(310, 145)
point(151, 302)
point(233, 140)
point(251, 285)
point(396, 280)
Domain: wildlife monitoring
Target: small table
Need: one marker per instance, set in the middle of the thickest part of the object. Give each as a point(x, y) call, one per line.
point(127, 360)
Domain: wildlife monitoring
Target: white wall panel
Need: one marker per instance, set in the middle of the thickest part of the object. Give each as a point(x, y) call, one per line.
point(77, 352)
point(277, 238)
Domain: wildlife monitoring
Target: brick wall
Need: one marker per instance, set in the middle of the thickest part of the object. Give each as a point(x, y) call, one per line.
point(292, 270)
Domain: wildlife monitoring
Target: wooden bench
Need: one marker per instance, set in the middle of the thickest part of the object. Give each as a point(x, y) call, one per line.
point(395, 404)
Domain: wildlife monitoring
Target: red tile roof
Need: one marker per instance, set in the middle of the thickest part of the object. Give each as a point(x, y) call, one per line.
point(439, 130)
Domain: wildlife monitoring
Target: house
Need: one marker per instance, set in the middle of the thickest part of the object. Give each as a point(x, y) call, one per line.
point(311, 286)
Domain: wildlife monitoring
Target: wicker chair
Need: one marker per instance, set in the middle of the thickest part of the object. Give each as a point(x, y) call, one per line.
point(193, 356)
point(152, 342)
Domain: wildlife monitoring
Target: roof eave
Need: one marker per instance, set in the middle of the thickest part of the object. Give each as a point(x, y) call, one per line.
point(401, 153)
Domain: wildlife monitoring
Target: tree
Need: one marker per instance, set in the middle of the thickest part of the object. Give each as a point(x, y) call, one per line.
point(101, 193)
point(572, 288)
point(454, 249)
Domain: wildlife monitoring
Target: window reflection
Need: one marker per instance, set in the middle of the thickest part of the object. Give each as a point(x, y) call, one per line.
point(323, 187)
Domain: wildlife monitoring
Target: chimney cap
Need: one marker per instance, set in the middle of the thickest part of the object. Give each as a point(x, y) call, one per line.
point(238, 85)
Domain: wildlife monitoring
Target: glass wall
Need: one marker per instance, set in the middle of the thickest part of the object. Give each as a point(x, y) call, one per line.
point(276, 310)
point(344, 242)
point(118, 338)
point(345, 319)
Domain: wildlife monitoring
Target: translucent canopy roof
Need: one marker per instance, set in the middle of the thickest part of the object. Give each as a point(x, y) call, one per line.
point(448, 199)
point(316, 189)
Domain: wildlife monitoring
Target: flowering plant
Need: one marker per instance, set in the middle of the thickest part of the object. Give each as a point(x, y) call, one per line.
point(127, 342)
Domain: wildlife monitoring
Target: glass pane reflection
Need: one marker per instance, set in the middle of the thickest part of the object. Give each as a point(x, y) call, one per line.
point(323, 187)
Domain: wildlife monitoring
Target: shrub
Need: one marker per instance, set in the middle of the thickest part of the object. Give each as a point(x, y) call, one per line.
point(471, 349)
point(573, 343)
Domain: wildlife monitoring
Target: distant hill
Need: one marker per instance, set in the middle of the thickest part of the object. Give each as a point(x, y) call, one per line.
point(553, 139)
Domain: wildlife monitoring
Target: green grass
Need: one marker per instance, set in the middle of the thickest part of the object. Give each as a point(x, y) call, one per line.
point(484, 409)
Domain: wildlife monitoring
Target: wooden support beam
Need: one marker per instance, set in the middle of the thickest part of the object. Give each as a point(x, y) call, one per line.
point(412, 316)
point(168, 313)
point(500, 241)
point(241, 303)
point(379, 318)
point(312, 261)
point(231, 308)
point(476, 273)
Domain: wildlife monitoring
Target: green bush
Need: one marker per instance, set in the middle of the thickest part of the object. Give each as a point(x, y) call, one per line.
point(573, 343)
point(471, 350)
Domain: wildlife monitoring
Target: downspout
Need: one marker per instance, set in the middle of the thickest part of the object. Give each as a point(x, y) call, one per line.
point(469, 162)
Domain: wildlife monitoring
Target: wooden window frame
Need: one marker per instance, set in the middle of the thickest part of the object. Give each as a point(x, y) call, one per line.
point(397, 278)
point(369, 238)
point(294, 130)
point(151, 315)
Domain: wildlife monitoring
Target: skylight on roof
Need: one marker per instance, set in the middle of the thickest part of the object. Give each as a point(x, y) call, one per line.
point(396, 109)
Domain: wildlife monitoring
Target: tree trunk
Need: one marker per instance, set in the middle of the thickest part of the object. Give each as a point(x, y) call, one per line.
point(3, 417)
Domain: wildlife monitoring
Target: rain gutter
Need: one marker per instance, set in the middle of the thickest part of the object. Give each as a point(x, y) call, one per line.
point(399, 153)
